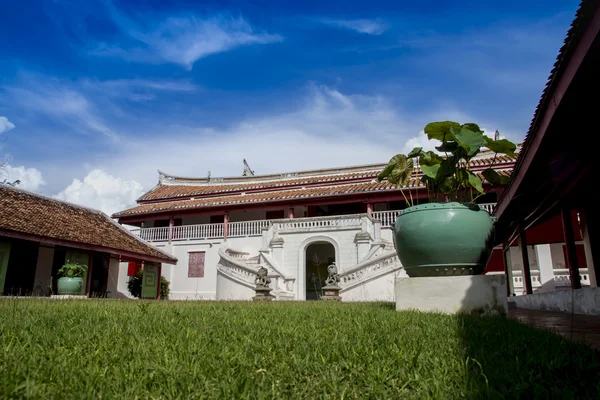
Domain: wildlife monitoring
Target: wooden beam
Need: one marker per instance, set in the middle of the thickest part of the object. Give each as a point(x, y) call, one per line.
point(525, 258)
point(572, 262)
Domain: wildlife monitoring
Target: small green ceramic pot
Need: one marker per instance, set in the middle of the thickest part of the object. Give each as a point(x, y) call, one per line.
point(441, 239)
point(72, 286)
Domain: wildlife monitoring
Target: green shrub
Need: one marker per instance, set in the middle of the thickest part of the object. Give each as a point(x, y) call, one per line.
point(135, 286)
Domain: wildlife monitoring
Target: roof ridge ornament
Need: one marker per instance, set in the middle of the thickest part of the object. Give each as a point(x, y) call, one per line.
point(247, 170)
point(162, 177)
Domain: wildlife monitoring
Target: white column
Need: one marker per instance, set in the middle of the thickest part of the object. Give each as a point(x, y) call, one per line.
point(363, 243)
point(43, 271)
point(277, 246)
point(377, 230)
point(544, 260)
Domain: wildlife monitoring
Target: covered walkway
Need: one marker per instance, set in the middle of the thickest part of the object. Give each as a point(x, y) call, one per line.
point(577, 327)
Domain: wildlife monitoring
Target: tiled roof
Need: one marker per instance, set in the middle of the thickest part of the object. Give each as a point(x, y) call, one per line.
point(274, 195)
point(30, 214)
point(188, 187)
point(584, 14)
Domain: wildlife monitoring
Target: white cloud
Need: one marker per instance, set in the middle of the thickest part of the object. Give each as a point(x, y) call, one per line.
point(184, 39)
point(31, 178)
point(421, 140)
point(5, 125)
point(102, 191)
point(366, 26)
point(330, 129)
point(58, 100)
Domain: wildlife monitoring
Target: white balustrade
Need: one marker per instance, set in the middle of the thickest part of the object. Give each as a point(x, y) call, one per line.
point(387, 218)
point(334, 221)
point(152, 234)
point(561, 279)
point(246, 228)
point(489, 207)
point(201, 231)
point(255, 228)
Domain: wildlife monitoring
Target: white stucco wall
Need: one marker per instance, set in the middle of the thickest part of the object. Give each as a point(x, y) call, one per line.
point(579, 301)
point(227, 289)
point(380, 289)
point(292, 262)
point(117, 280)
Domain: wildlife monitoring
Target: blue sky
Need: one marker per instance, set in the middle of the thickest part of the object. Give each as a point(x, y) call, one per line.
point(95, 96)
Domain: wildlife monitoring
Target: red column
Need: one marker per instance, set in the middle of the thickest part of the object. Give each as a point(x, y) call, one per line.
point(571, 260)
point(225, 225)
point(159, 281)
point(370, 208)
point(525, 257)
point(170, 229)
point(291, 212)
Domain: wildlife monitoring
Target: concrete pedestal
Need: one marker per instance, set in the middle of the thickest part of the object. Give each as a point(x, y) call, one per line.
point(452, 294)
point(263, 294)
point(331, 293)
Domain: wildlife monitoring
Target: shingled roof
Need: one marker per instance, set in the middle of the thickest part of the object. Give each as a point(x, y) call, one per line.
point(34, 217)
point(173, 187)
point(270, 196)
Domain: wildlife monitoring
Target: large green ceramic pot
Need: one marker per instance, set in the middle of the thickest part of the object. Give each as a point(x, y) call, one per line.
point(72, 286)
point(440, 239)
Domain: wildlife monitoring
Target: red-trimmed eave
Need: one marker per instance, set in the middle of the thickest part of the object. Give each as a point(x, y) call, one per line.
point(123, 254)
point(542, 122)
point(344, 198)
point(478, 168)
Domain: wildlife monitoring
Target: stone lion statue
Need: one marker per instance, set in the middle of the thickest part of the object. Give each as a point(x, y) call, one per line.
point(333, 278)
point(261, 278)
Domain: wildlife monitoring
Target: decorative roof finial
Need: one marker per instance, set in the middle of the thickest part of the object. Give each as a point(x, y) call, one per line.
point(247, 170)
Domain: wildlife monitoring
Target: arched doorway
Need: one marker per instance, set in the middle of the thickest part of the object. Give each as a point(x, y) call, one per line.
point(318, 256)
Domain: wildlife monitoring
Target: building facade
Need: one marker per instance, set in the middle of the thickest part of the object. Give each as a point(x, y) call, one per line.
point(222, 230)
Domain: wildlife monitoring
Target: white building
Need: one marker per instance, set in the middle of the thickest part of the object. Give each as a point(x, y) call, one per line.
point(221, 230)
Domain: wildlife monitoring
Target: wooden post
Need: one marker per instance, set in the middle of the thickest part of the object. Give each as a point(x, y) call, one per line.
point(225, 225)
point(589, 216)
point(291, 212)
point(370, 209)
point(159, 281)
point(507, 268)
point(170, 229)
point(89, 275)
point(571, 260)
point(525, 257)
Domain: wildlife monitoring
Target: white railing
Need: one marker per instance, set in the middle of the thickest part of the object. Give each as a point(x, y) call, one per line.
point(489, 207)
point(387, 218)
point(201, 231)
point(561, 279)
point(255, 228)
point(369, 269)
point(333, 221)
point(152, 234)
point(246, 228)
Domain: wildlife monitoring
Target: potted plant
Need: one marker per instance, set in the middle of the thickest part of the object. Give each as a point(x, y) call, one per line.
point(449, 235)
point(71, 278)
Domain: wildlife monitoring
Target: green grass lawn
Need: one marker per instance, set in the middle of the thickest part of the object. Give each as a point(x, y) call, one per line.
point(133, 349)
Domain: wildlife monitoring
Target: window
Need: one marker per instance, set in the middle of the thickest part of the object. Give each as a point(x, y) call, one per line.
point(196, 264)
